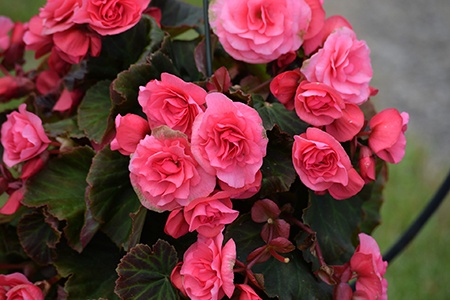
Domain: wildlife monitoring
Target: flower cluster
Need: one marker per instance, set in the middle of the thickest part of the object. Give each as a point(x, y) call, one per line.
point(254, 175)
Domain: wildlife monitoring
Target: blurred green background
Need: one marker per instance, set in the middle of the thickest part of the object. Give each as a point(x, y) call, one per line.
point(421, 271)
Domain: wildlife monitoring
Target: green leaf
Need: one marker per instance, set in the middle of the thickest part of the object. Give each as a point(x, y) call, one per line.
point(61, 187)
point(276, 114)
point(111, 196)
point(293, 280)
point(336, 223)
point(66, 127)
point(246, 234)
point(38, 236)
point(177, 13)
point(94, 112)
point(277, 170)
point(90, 274)
point(183, 54)
point(144, 273)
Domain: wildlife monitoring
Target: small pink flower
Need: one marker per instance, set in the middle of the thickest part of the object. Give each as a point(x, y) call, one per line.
point(207, 269)
point(130, 130)
point(17, 286)
point(344, 64)
point(47, 82)
point(15, 53)
point(12, 87)
point(5, 26)
point(366, 164)
point(229, 141)
point(109, 17)
point(13, 203)
point(323, 165)
point(209, 215)
point(247, 293)
point(349, 125)
point(370, 268)
point(284, 86)
point(74, 44)
point(172, 102)
point(317, 103)
point(23, 137)
point(165, 174)
point(260, 31)
point(387, 136)
point(68, 99)
point(176, 225)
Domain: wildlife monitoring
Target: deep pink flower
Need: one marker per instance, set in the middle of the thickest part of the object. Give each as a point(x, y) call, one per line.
point(247, 293)
point(349, 125)
point(176, 225)
point(387, 136)
point(260, 31)
point(344, 64)
point(12, 87)
point(12, 204)
point(17, 286)
point(35, 40)
point(130, 130)
point(229, 141)
point(331, 24)
point(165, 174)
point(109, 17)
point(207, 269)
point(172, 102)
point(15, 53)
point(366, 164)
point(5, 26)
point(284, 86)
point(47, 82)
point(68, 99)
point(74, 44)
point(209, 215)
point(317, 103)
point(23, 137)
point(244, 192)
point(57, 15)
point(370, 268)
point(323, 165)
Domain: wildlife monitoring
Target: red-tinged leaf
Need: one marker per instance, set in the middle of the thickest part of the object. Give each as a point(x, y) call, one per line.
point(61, 187)
point(38, 236)
point(144, 273)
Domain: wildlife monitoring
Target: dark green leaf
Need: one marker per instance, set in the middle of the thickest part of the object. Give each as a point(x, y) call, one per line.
point(177, 13)
point(111, 196)
point(144, 273)
point(65, 127)
point(38, 236)
point(336, 223)
point(183, 57)
point(276, 114)
point(90, 274)
point(278, 171)
point(94, 112)
point(61, 187)
point(293, 280)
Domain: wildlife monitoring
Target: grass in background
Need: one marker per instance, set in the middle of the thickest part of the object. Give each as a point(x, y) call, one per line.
point(420, 272)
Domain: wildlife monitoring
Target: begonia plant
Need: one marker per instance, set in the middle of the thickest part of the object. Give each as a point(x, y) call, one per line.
point(146, 157)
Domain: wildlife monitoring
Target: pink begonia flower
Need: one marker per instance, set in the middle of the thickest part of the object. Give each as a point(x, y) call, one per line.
point(331, 24)
point(344, 64)
point(387, 136)
point(47, 82)
point(23, 137)
point(244, 192)
point(317, 103)
point(15, 53)
point(172, 102)
point(247, 293)
point(370, 268)
point(73, 44)
point(366, 164)
point(165, 174)
point(176, 225)
point(284, 86)
point(155, 13)
point(13, 203)
point(5, 26)
point(110, 17)
point(349, 125)
point(12, 87)
point(68, 99)
point(317, 18)
point(177, 279)
point(130, 130)
point(207, 268)
point(260, 31)
point(57, 15)
point(229, 140)
point(209, 215)
point(35, 40)
point(17, 286)
point(323, 165)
